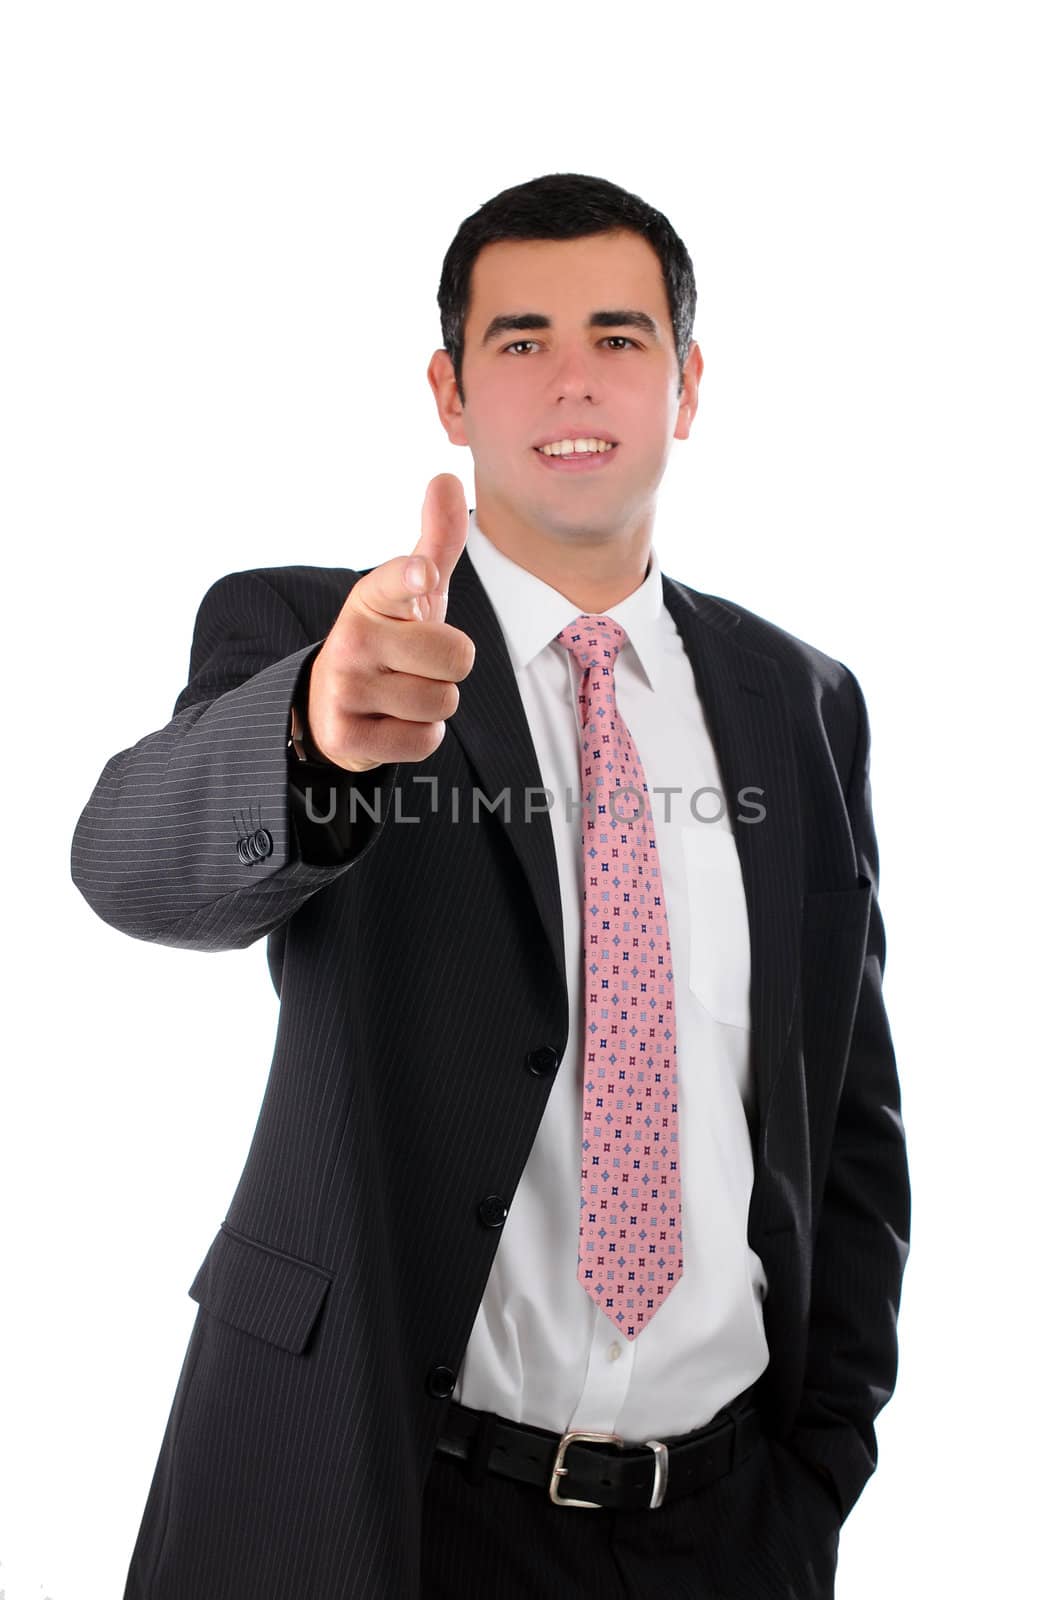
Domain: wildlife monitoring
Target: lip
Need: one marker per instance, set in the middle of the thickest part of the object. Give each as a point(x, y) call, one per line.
point(585, 461)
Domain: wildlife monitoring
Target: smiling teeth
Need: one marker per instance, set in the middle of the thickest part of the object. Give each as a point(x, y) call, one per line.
point(579, 447)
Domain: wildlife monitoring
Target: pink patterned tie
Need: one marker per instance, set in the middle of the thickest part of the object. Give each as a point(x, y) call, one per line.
point(631, 1241)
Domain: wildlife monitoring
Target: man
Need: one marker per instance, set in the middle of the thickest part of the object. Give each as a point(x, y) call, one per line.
point(583, 1116)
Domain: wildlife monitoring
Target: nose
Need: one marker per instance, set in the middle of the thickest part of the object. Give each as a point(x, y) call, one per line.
point(572, 378)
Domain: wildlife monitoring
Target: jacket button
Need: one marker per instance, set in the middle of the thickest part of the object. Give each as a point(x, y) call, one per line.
point(441, 1382)
point(243, 850)
point(262, 842)
point(492, 1211)
point(542, 1062)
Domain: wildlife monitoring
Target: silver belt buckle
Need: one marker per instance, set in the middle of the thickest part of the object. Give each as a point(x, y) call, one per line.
point(660, 1467)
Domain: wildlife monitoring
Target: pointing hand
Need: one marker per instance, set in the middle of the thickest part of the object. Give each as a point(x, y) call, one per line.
point(385, 679)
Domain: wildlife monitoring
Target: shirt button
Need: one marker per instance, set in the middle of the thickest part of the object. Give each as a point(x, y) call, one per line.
point(614, 1351)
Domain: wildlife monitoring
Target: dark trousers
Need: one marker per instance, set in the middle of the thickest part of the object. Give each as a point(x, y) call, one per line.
point(766, 1531)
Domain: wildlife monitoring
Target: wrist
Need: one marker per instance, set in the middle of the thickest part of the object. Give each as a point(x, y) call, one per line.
point(300, 740)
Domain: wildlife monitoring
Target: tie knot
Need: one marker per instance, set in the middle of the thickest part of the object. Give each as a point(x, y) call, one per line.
point(594, 641)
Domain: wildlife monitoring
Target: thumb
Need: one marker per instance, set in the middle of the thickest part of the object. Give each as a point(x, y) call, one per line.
point(444, 530)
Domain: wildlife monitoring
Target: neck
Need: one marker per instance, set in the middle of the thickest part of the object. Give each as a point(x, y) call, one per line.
point(591, 569)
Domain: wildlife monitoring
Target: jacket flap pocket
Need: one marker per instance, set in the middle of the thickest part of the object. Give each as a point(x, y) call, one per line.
point(269, 1294)
point(844, 909)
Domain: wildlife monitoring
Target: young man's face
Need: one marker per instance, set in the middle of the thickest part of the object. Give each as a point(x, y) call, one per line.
point(568, 380)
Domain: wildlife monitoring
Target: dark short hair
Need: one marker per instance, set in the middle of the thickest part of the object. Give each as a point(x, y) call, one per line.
point(563, 205)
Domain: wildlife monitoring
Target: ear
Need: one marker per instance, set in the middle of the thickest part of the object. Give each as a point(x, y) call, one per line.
point(445, 388)
point(688, 398)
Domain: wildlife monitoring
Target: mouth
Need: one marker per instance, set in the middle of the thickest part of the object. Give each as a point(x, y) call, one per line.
point(579, 456)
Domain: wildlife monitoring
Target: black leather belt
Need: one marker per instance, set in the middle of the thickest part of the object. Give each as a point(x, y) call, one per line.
point(599, 1469)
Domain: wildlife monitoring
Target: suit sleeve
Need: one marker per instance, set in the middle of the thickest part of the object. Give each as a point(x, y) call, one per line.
point(157, 851)
point(861, 1244)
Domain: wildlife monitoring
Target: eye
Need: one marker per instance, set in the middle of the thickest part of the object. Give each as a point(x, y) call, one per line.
point(613, 339)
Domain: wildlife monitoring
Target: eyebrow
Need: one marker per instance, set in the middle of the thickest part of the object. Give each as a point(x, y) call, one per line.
point(524, 321)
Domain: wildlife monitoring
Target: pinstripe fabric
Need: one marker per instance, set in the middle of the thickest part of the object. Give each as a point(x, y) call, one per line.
point(339, 1293)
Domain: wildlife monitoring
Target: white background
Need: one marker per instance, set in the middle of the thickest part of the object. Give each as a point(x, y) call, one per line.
point(224, 226)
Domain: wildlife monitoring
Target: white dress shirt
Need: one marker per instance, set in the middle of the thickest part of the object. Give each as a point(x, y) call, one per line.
point(541, 1351)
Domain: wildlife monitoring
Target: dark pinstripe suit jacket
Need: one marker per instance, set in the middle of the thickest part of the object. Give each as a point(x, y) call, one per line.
point(423, 1008)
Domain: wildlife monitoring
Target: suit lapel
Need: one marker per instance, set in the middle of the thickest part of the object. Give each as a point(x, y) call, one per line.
point(750, 723)
point(492, 728)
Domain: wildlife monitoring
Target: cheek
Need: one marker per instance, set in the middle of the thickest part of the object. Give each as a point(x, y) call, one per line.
point(638, 420)
point(501, 415)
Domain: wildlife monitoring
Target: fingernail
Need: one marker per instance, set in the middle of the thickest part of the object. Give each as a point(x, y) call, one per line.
point(413, 573)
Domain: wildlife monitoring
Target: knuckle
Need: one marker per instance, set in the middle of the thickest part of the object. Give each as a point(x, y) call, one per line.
point(466, 656)
point(432, 737)
point(452, 699)
point(416, 741)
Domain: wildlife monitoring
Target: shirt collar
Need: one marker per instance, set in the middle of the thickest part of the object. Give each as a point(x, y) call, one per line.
point(531, 613)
